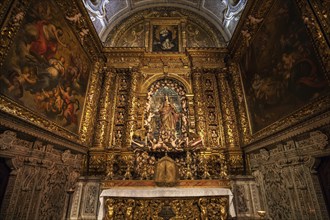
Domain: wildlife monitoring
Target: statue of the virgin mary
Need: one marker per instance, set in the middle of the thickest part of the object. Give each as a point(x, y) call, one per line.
point(169, 115)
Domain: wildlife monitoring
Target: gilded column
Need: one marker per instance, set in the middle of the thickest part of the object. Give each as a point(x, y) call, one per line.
point(146, 36)
point(88, 119)
point(191, 110)
point(228, 111)
point(199, 105)
point(101, 134)
point(213, 110)
point(241, 109)
point(132, 105)
point(234, 153)
point(184, 35)
point(114, 101)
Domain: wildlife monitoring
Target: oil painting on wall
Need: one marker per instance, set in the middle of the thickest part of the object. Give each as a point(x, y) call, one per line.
point(280, 70)
point(46, 69)
point(165, 38)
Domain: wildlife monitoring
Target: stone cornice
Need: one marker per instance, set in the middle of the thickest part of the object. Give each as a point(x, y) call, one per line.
point(306, 126)
point(19, 125)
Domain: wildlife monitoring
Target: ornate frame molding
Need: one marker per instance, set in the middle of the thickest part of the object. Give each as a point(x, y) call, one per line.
point(93, 48)
point(253, 20)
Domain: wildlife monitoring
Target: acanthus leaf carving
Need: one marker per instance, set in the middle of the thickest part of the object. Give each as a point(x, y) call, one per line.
point(289, 172)
point(17, 162)
point(72, 179)
point(287, 177)
point(319, 139)
point(29, 173)
point(66, 156)
point(299, 177)
point(91, 200)
point(264, 154)
point(7, 140)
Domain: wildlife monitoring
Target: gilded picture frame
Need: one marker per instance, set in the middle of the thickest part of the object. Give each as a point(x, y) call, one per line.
point(36, 63)
point(165, 36)
point(284, 73)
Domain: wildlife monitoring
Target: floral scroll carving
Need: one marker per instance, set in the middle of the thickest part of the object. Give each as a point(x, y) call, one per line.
point(41, 174)
point(285, 178)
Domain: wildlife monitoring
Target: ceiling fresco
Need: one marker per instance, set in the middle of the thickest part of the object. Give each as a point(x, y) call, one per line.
point(222, 14)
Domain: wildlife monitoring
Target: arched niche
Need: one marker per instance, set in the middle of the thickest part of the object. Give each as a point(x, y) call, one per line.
point(166, 115)
point(154, 78)
point(193, 30)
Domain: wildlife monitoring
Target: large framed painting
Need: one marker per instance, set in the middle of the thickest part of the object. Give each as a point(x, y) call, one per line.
point(46, 69)
point(281, 71)
point(165, 37)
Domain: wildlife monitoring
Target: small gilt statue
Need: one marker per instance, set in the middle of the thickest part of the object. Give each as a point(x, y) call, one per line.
point(129, 210)
point(110, 209)
point(109, 167)
point(188, 174)
point(204, 164)
point(202, 203)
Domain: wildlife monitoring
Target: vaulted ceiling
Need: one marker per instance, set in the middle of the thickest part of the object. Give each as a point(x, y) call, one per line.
point(222, 14)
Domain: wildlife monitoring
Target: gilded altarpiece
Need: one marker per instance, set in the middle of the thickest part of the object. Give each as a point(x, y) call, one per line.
point(164, 126)
point(159, 107)
point(160, 127)
point(166, 108)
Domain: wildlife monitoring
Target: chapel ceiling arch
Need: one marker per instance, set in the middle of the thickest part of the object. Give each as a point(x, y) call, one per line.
point(190, 29)
point(209, 18)
point(222, 14)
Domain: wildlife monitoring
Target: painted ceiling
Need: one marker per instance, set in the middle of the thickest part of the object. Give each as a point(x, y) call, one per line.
point(222, 14)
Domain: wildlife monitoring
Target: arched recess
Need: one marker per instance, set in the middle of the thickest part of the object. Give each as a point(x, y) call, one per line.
point(124, 15)
point(154, 78)
point(135, 30)
point(166, 115)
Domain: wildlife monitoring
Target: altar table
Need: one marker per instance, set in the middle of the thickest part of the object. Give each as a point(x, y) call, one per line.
point(164, 192)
